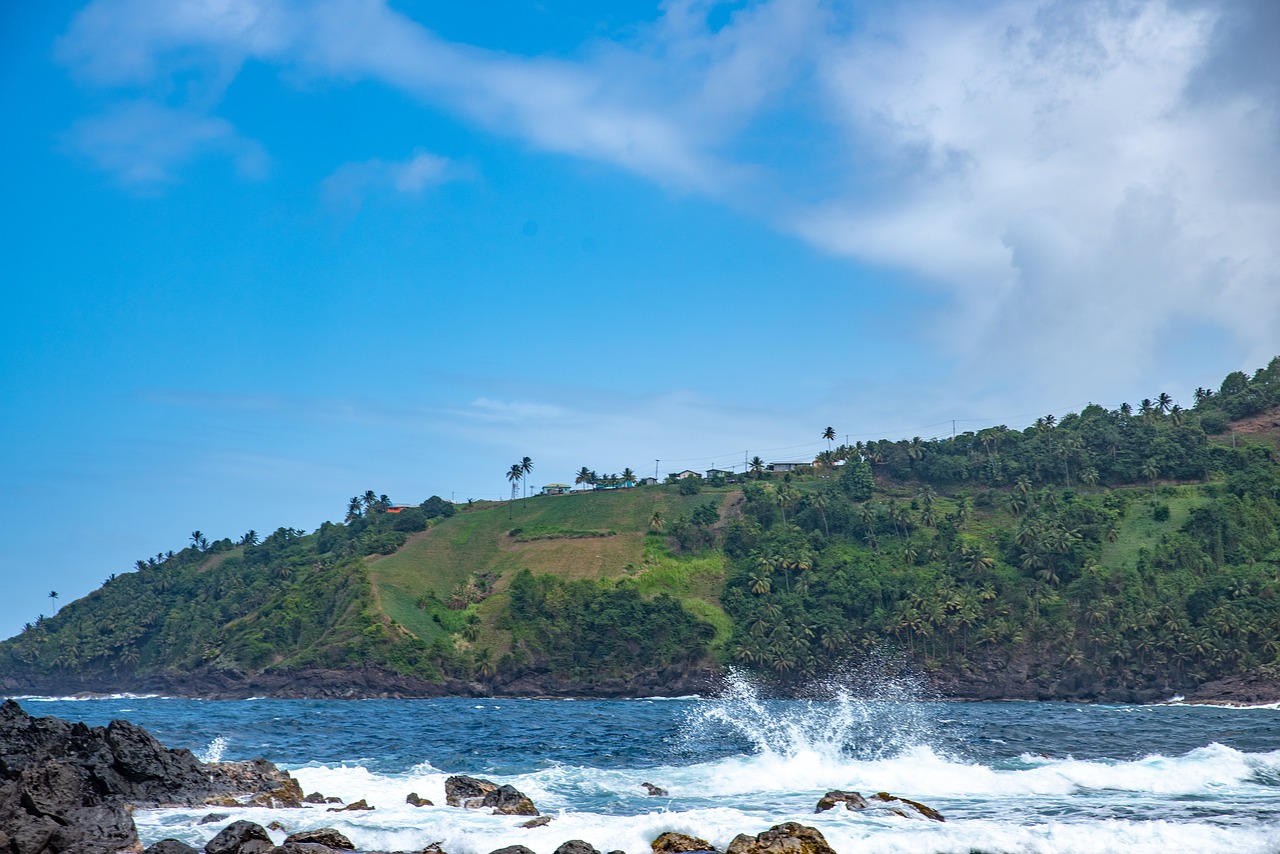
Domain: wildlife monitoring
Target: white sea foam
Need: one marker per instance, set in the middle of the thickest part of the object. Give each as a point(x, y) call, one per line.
point(82, 698)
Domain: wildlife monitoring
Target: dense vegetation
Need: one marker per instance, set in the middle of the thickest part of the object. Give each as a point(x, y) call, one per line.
point(1125, 547)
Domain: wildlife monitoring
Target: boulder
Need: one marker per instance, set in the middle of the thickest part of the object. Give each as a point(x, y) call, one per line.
point(851, 800)
point(679, 843)
point(463, 791)
point(302, 848)
point(54, 807)
point(170, 846)
point(361, 804)
point(508, 800)
point(326, 836)
point(314, 798)
point(540, 821)
point(514, 849)
point(240, 837)
point(905, 807)
point(880, 801)
point(413, 800)
point(577, 846)
point(214, 818)
point(654, 791)
point(275, 825)
point(786, 838)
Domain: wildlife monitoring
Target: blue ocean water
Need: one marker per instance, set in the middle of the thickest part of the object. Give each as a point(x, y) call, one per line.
point(1009, 777)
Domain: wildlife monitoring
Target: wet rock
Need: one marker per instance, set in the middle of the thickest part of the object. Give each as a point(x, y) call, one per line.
point(413, 800)
point(467, 792)
point(214, 818)
point(679, 843)
point(851, 800)
point(302, 848)
point(326, 836)
point(514, 849)
point(333, 800)
point(170, 846)
point(905, 807)
point(240, 837)
point(353, 806)
point(786, 838)
point(314, 798)
point(654, 791)
point(576, 846)
point(275, 825)
point(540, 821)
point(508, 800)
point(433, 848)
point(269, 786)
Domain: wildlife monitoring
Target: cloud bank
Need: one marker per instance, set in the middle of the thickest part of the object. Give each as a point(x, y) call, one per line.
point(1076, 178)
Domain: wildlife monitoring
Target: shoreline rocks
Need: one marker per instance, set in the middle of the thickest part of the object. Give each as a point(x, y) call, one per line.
point(475, 793)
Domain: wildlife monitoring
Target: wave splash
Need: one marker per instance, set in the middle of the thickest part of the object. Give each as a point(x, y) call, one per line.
point(872, 712)
point(214, 751)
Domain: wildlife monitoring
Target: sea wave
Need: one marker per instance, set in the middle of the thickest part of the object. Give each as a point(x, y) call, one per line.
point(82, 698)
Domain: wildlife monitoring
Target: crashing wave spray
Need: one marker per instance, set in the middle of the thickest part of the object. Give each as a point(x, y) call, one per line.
point(213, 753)
point(872, 711)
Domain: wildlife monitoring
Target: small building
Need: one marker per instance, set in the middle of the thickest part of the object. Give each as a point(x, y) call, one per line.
point(681, 475)
point(648, 481)
point(714, 473)
point(787, 467)
point(556, 489)
point(396, 508)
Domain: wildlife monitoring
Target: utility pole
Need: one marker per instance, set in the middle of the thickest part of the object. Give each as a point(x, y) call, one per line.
point(655, 469)
point(953, 428)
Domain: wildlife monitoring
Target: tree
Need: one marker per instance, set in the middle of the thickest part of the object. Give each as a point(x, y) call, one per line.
point(829, 434)
point(53, 595)
point(250, 538)
point(526, 466)
point(354, 510)
point(1164, 403)
point(656, 521)
point(628, 476)
point(196, 537)
point(514, 475)
point(585, 476)
point(757, 466)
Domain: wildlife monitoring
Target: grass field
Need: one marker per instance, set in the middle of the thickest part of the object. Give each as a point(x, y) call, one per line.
point(475, 543)
point(1140, 529)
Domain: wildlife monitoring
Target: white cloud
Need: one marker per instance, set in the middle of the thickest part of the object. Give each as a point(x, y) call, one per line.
point(1055, 168)
point(145, 144)
point(352, 183)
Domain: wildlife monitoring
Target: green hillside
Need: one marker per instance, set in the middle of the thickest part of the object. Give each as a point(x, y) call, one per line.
point(1134, 549)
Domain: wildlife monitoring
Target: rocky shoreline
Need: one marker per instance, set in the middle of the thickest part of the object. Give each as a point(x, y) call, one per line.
point(1015, 680)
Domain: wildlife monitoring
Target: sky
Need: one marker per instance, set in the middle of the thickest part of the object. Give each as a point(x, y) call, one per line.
point(259, 256)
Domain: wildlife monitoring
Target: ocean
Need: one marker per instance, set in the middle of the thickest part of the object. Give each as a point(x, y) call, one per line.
point(1008, 777)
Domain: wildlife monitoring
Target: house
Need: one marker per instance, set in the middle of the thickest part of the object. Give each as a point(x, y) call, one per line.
point(648, 481)
point(786, 467)
point(681, 475)
point(556, 489)
point(714, 473)
point(396, 508)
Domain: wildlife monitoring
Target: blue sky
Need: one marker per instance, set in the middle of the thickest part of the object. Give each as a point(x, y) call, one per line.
point(262, 256)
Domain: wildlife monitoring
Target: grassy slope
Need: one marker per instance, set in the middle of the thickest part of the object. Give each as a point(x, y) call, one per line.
point(476, 542)
point(1140, 530)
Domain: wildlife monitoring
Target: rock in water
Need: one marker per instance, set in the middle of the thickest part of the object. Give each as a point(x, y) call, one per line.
point(514, 849)
point(468, 792)
point(679, 843)
point(314, 798)
point(508, 800)
point(655, 791)
point(477, 793)
point(540, 821)
point(577, 846)
point(787, 838)
point(354, 806)
point(240, 837)
point(413, 800)
point(851, 800)
point(326, 836)
point(907, 808)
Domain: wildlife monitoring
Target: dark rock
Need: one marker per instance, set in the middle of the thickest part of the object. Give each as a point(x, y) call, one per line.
point(171, 846)
point(314, 798)
point(54, 807)
point(514, 849)
point(413, 800)
point(905, 807)
point(433, 848)
point(214, 818)
point(679, 843)
point(354, 805)
point(655, 791)
point(786, 838)
point(851, 800)
point(267, 785)
point(302, 848)
point(240, 837)
point(468, 792)
point(508, 800)
point(275, 825)
point(577, 846)
point(322, 836)
point(540, 821)
point(332, 800)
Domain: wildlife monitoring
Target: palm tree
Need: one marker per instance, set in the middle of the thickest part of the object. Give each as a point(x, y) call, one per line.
point(829, 434)
point(53, 596)
point(250, 538)
point(526, 466)
point(1163, 403)
point(369, 498)
point(628, 476)
point(585, 477)
point(1151, 471)
point(196, 537)
point(514, 474)
point(656, 521)
point(757, 466)
point(354, 510)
